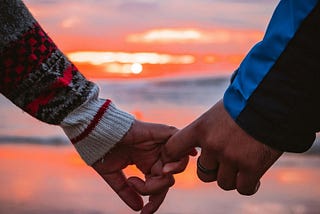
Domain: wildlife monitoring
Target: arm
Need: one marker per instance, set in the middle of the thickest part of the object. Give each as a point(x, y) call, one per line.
point(270, 107)
point(273, 95)
point(37, 77)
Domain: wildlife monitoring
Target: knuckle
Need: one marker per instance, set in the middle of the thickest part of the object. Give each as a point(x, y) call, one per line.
point(206, 178)
point(208, 148)
point(248, 188)
point(173, 129)
point(213, 146)
point(245, 191)
point(225, 185)
point(229, 157)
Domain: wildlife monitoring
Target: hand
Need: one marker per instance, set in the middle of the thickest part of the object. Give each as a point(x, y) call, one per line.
point(234, 158)
point(140, 146)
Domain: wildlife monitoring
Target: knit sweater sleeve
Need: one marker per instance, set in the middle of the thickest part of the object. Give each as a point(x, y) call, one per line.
point(37, 77)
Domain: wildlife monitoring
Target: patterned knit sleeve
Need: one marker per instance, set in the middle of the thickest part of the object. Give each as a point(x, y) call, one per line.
point(37, 77)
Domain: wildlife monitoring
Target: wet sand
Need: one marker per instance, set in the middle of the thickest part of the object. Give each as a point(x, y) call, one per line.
point(53, 179)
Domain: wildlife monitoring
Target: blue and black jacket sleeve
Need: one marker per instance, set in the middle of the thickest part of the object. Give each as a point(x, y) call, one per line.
point(274, 95)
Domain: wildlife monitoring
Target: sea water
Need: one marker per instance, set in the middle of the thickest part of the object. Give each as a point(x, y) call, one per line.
point(176, 102)
point(37, 176)
point(173, 101)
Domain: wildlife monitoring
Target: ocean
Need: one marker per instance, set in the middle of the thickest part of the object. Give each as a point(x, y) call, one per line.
point(173, 101)
point(176, 102)
point(40, 172)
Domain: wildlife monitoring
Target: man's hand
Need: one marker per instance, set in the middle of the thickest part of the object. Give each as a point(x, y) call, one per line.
point(141, 146)
point(228, 154)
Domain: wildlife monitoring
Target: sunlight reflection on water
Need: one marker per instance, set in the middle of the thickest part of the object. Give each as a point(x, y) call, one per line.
point(53, 179)
point(46, 179)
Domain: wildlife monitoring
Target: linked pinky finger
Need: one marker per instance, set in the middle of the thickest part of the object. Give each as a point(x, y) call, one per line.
point(176, 167)
point(152, 185)
point(154, 202)
point(118, 182)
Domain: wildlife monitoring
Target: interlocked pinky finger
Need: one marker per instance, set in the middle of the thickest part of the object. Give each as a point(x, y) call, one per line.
point(152, 185)
point(154, 202)
point(119, 184)
point(176, 167)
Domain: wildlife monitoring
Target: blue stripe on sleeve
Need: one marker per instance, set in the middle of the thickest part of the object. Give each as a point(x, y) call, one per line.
point(285, 21)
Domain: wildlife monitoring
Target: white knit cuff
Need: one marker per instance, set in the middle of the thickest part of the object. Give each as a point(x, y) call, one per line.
point(95, 127)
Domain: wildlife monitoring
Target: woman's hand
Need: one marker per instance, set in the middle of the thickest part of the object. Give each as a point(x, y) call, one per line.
point(142, 146)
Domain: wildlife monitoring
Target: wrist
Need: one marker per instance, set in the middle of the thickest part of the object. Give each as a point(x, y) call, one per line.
point(95, 127)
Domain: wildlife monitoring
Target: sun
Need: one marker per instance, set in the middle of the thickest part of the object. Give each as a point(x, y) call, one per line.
point(136, 68)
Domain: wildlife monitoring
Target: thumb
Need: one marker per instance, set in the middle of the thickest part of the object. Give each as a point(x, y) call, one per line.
point(180, 145)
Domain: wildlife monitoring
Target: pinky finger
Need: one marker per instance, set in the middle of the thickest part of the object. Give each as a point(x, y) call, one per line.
point(154, 202)
point(152, 185)
point(117, 181)
point(176, 167)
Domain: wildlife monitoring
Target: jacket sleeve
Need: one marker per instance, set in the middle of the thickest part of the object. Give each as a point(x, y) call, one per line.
point(274, 94)
point(37, 77)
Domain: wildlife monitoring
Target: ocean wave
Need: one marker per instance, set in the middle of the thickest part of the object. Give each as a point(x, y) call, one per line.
point(194, 82)
point(56, 141)
point(203, 91)
point(60, 141)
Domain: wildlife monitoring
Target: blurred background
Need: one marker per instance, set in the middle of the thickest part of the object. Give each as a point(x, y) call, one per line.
point(165, 62)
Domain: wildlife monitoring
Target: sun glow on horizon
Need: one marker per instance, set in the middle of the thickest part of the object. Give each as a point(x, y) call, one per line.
point(124, 63)
point(117, 68)
point(136, 68)
point(100, 58)
point(99, 64)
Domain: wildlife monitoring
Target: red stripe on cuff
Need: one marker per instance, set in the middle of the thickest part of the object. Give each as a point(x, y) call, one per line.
point(93, 123)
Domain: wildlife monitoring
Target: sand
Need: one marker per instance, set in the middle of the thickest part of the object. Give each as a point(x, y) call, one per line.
point(53, 179)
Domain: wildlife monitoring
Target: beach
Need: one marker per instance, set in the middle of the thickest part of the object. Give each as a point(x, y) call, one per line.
point(164, 62)
point(41, 173)
point(54, 180)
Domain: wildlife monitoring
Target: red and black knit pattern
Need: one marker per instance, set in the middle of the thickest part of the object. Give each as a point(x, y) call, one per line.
point(24, 56)
point(38, 78)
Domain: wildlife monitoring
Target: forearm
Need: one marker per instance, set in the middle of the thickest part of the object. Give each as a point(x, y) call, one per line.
point(36, 76)
point(274, 94)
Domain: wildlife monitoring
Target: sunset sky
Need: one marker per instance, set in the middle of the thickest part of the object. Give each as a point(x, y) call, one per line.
point(153, 38)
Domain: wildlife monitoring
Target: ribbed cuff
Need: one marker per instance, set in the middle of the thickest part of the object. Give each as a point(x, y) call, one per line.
point(95, 127)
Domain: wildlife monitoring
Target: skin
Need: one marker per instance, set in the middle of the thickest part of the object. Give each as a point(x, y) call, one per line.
point(142, 146)
point(240, 159)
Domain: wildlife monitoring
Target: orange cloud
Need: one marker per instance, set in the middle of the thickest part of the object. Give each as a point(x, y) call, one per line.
point(172, 35)
point(70, 22)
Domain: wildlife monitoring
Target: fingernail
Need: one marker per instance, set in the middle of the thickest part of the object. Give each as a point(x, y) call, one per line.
point(166, 169)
